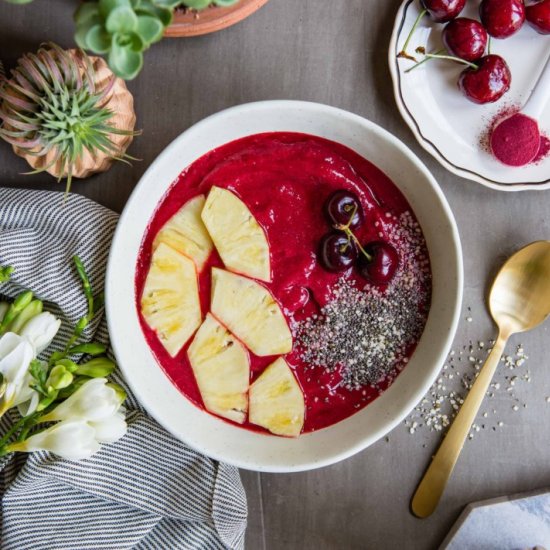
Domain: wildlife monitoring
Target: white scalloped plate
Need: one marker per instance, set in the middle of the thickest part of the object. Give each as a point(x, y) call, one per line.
point(448, 125)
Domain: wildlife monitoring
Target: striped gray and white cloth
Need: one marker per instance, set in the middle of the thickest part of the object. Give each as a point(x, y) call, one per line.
point(148, 490)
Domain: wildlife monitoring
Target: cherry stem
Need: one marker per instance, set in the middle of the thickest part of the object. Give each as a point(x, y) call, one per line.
point(452, 58)
point(489, 46)
point(438, 52)
point(403, 52)
point(351, 235)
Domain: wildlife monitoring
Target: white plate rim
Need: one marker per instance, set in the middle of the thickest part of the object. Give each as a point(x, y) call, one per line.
point(247, 463)
point(415, 127)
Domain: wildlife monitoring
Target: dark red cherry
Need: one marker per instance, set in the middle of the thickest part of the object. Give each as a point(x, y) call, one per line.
point(489, 82)
point(538, 16)
point(384, 262)
point(442, 11)
point(337, 252)
point(465, 38)
point(502, 18)
point(343, 208)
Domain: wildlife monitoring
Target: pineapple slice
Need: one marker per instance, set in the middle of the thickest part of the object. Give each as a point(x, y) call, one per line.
point(276, 400)
point(238, 237)
point(222, 370)
point(250, 312)
point(170, 302)
point(186, 233)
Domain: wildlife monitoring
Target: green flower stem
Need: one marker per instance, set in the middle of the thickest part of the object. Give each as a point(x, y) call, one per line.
point(403, 52)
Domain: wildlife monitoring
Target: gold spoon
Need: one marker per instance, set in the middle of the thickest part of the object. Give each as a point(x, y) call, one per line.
point(519, 301)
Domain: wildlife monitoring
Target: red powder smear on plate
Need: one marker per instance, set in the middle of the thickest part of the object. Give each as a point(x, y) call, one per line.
point(516, 141)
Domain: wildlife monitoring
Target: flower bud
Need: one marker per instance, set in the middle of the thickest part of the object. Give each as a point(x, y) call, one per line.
point(59, 378)
point(32, 310)
point(71, 440)
point(99, 367)
point(120, 392)
point(92, 348)
point(41, 330)
point(93, 401)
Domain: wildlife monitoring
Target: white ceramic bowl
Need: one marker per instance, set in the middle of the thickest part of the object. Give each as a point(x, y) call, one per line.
point(213, 436)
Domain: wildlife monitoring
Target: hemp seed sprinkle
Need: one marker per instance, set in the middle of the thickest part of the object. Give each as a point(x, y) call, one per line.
point(367, 333)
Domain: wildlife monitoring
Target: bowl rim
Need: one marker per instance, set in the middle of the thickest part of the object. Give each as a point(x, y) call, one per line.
point(454, 303)
point(428, 145)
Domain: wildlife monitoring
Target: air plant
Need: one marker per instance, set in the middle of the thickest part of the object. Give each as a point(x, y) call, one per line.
point(54, 115)
point(123, 29)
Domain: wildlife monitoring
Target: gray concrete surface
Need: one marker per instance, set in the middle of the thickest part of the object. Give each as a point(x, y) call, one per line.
point(333, 52)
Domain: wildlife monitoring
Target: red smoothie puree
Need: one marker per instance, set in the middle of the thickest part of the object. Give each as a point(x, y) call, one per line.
point(284, 179)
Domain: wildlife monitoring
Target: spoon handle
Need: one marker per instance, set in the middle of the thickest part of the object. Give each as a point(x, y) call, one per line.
point(541, 93)
point(438, 473)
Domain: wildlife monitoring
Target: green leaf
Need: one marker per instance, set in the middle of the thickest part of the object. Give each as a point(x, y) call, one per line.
point(107, 6)
point(197, 4)
point(86, 12)
point(149, 29)
point(224, 3)
point(164, 15)
point(124, 61)
point(171, 4)
point(122, 20)
point(98, 39)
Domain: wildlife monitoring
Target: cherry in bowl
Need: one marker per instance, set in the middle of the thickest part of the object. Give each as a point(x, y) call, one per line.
point(343, 208)
point(465, 38)
point(381, 264)
point(337, 252)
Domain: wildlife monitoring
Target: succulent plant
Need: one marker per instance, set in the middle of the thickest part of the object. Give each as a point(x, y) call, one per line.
point(123, 29)
point(53, 114)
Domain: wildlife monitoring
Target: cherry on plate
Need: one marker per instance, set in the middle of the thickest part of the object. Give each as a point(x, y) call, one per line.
point(502, 18)
point(465, 38)
point(442, 11)
point(488, 82)
point(538, 16)
point(344, 208)
point(337, 252)
point(382, 266)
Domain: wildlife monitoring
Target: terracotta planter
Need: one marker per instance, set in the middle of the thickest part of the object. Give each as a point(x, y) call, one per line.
point(121, 102)
point(193, 23)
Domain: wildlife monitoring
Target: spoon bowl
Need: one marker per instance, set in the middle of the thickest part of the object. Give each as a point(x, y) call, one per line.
point(520, 295)
point(519, 301)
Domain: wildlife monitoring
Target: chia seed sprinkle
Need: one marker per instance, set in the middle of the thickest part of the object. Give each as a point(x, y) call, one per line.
point(367, 333)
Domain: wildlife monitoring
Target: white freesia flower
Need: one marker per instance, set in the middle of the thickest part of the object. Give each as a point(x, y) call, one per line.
point(110, 429)
point(15, 356)
point(41, 330)
point(73, 440)
point(93, 401)
point(26, 399)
